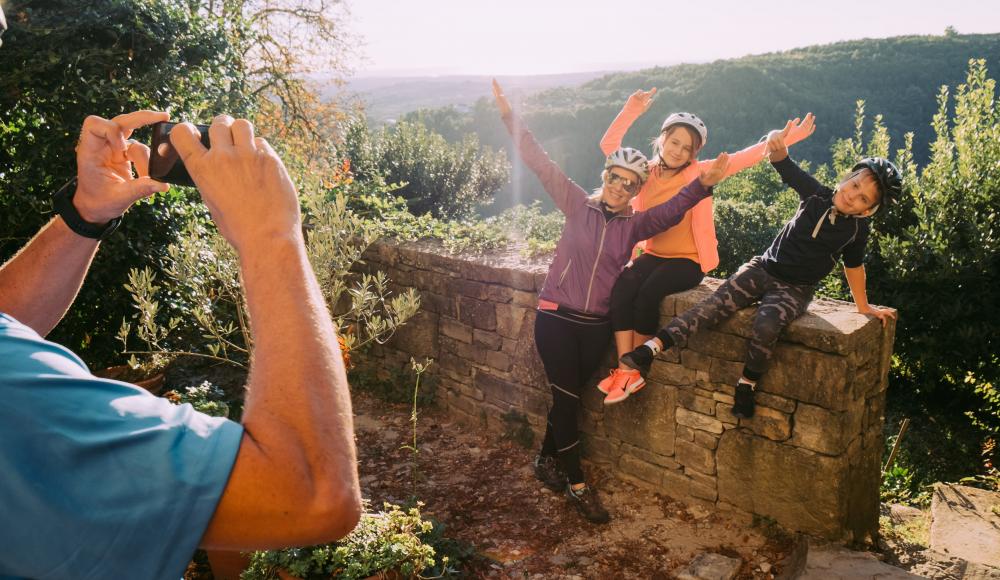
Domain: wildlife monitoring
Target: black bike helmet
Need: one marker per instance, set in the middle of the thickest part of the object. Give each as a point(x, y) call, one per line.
point(890, 180)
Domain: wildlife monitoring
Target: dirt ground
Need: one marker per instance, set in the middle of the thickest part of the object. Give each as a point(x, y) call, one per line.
point(482, 488)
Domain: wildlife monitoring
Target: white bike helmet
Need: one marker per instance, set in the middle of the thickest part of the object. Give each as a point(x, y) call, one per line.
point(631, 159)
point(687, 119)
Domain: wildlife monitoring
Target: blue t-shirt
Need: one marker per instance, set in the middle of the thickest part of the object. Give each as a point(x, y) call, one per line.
point(98, 478)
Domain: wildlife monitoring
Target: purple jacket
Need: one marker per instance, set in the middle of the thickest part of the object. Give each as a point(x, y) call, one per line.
point(593, 250)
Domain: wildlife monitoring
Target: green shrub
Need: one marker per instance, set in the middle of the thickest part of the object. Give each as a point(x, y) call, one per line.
point(64, 60)
point(386, 541)
point(434, 176)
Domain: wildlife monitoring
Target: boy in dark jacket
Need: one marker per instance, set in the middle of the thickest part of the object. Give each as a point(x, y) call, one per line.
point(829, 225)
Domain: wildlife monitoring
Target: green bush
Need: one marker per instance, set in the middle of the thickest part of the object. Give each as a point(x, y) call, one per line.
point(445, 180)
point(392, 540)
point(64, 60)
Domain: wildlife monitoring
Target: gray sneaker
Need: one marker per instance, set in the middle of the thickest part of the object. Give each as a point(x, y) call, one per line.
point(548, 472)
point(588, 504)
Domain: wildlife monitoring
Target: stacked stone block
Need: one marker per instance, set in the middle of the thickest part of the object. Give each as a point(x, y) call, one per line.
point(809, 459)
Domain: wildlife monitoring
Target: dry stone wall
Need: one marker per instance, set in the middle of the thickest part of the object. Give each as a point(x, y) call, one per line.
point(809, 459)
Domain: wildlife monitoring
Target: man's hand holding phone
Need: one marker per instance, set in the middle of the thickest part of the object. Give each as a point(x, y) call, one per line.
point(241, 180)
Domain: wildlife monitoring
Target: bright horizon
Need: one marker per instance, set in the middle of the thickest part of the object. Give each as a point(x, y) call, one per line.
point(522, 37)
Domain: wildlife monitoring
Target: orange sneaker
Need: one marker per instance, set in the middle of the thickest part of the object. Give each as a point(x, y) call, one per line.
point(627, 383)
point(607, 384)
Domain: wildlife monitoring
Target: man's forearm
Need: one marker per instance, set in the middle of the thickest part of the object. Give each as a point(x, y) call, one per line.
point(38, 285)
point(298, 408)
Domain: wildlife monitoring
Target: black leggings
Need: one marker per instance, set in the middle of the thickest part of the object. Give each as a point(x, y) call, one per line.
point(636, 297)
point(571, 348)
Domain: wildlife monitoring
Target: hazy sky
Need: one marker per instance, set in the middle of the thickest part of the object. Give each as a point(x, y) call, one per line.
point(548, 36)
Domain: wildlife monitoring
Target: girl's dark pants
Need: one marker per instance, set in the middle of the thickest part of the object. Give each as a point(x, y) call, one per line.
point(571, 348)
point(636, 297)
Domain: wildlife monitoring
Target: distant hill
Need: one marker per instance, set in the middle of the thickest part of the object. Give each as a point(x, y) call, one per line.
point(739, 100)
point(387, 98)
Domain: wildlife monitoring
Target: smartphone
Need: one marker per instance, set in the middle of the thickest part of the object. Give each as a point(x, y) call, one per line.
point(165, 164)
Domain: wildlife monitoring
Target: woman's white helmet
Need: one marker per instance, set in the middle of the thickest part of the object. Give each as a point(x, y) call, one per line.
point(631, 159)
point(687, 119)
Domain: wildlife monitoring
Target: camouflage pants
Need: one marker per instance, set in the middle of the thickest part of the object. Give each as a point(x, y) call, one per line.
point(780, 303)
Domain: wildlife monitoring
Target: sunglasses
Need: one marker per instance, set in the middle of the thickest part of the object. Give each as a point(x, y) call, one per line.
point(612, 178)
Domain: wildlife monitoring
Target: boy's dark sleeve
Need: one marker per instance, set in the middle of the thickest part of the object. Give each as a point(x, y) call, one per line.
point(854, 252)
point(804, 184)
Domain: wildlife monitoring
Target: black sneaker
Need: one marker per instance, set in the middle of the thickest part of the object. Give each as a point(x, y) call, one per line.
point(743, 408)
point(639, 359)
point(548, 472)
point(588, 504)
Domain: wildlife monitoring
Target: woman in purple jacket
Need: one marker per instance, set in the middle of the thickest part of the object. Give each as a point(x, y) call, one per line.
point(572, 328)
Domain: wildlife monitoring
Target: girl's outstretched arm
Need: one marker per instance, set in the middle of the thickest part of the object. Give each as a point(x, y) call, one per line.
point(637, 104)
point(795, 130)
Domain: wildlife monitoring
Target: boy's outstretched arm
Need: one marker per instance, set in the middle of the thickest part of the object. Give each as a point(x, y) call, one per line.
point(856, 282)
point(791, 174)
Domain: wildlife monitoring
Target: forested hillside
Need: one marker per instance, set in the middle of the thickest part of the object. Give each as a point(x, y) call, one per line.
point(741, 99)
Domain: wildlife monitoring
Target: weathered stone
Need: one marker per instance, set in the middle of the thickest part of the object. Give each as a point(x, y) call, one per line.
point(418, 336)
point(676, 484)
point(769, 423)
point(687, 399)
point(866, 381)
point(694, 457)
point(763, 399)
point(456, 365)
point(460, 402)
point(469, 391)
point(509, 395)
point(498, 360)
point(830, 562)
point(646, 420)
point(695, 360)
point(704, 491)
point(666, 373)
point(509, 319)
point(649, 456)
point(480, 291)
point(640, 469)
point(477, 313)
point(709, 566)
point(455, 329)
point(527, 366)
point(796, 487)
point(526, 299)
point(469, 352)
point(726, 398)
point(826, 432)
point(807, 375)
point(706, 439)
point(599, 449)
point(439, 303)
point(718, 345)
point(965, 523)
point(685, 433)
point(486, 339)
point(725, 371)
point(695, 420)
point(833, 326)
point(724, 413)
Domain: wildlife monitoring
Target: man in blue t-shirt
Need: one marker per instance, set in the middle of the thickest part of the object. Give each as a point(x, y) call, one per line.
point(100, 479)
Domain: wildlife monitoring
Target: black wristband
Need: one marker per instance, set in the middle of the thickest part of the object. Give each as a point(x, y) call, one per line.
point(62, 203)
